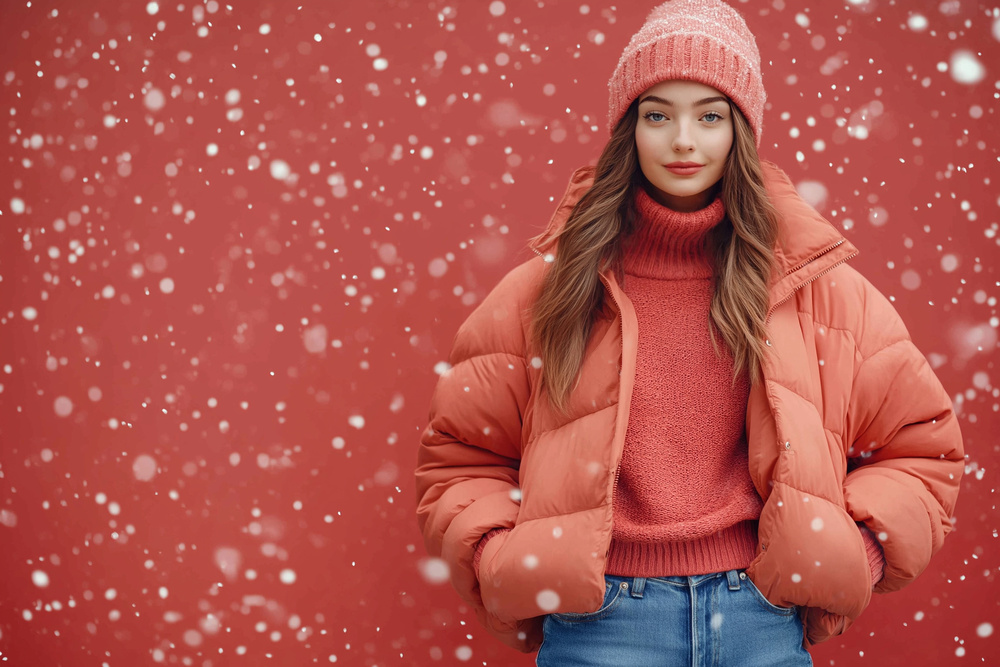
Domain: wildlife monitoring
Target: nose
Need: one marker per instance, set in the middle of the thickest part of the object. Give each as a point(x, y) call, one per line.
point(683, 142)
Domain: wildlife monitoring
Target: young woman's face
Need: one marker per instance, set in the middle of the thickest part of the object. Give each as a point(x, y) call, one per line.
point(683, 123)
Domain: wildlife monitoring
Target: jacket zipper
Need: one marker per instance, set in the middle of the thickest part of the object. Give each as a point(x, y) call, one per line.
point(818, 275)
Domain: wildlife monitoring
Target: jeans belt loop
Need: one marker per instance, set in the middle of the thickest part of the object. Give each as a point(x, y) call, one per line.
point(637, 587)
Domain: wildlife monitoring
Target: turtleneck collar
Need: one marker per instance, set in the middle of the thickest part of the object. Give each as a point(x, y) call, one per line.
point(669, 244)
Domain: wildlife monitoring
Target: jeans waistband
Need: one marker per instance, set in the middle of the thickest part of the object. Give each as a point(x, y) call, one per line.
point(636, 585)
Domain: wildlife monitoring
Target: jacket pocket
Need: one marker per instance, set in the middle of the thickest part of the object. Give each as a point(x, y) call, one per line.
point(614, 592)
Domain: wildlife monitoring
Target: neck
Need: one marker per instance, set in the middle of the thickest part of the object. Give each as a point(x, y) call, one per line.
point(688, 204)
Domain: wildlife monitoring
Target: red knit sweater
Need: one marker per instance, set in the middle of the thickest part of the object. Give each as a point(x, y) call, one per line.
point(684, 502)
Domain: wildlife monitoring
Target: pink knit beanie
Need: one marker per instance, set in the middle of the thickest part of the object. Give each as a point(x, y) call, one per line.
point(698, 40)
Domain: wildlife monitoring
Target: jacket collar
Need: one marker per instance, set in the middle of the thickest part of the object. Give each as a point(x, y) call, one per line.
point(808, 245)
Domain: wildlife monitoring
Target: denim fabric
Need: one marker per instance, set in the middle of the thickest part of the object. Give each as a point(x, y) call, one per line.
point(707, 620)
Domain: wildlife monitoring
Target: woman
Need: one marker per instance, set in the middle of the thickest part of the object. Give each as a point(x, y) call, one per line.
point(688, 430)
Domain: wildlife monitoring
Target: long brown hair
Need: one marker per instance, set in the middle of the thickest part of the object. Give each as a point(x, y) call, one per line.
point(592, 240)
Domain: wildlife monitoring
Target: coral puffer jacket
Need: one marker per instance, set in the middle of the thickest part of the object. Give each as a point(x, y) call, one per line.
point(849, 424)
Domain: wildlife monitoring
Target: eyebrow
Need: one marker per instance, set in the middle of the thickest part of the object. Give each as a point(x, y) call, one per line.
point(707, 100)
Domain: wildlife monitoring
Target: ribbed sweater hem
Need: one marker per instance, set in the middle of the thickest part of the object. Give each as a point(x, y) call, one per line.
point(731, 548)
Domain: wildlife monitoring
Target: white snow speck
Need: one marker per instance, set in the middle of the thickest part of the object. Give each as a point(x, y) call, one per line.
point(17, 205)
point(530, 561)
point(287, 576)
point(966, 68)
point(917, 22)
point(380, 64)
point(814, 192)
point(796, 577)
point(910, 280)
point(463, 653)
point(167, 285)
point(264, 29)
point(232, 96)
point(817, 524)
point(41, 579)
point(497, 8)
point(144, 467)
point(378, 273)
point(442, 367)
point(547, 600)
point(280, 169)
point(152, 8)
point(878, 216)
point(536, 362)
point(434, 570)
point(716, 621)
point(980, 380)
point(984, 629)
point(314, 338)
point(63, 406)
point(373, 50)
point(426, 152)
point(338, 443)
point(29, 313)
point(155, 99)
point(437, 267)
point(229, 561)
point(357, 421)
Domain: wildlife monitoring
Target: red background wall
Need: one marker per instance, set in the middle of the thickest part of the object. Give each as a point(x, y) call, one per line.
point(231, 256)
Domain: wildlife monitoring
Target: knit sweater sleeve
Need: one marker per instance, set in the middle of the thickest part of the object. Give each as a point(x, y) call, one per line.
point(876, 558)
point(482, 546)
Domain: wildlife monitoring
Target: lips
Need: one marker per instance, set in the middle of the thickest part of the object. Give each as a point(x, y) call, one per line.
point(684, 168)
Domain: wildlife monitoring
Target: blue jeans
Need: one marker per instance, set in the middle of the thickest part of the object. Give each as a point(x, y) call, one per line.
point(707, 620)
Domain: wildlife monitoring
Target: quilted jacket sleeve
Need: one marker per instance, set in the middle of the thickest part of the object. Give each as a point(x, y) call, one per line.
point(469, 454)
point(906, 455)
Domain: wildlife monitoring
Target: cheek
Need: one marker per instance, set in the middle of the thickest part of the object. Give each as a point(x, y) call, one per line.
point(722, 145)
point(642, 146)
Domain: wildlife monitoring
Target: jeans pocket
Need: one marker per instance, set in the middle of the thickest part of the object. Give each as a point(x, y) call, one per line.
point(613, 594)
point(764, 602)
